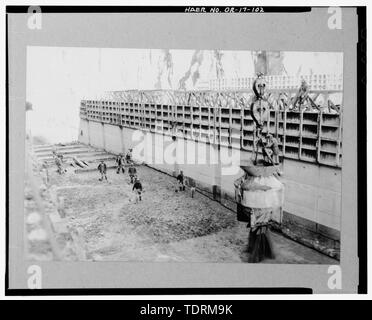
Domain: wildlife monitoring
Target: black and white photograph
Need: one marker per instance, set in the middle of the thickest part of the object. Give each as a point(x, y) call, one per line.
point(184, 155)
point(184, 147)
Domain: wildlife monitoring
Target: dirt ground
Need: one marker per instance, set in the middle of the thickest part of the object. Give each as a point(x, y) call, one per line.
point(165, 226)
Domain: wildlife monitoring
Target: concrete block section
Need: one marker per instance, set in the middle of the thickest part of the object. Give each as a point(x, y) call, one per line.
point(289, 219)
point(314, 235)
point(301, 194)
point(331, 221)
point(113, 141)
point(329, 202)
point(293, 221)
point(227, 183)
point(312, 191)
point(168, 169)
point(330, 178)
point(84, 131)
point(202, 173)
point(96, 135)
point(301, 172)
point(300, 211)
point(128, 138)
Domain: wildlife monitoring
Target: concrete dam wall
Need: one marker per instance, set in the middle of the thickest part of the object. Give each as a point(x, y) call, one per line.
point(208, 133)
point(312, 194)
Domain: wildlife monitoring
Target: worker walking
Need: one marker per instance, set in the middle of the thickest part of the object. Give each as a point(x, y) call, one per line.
point(120, 164)
point(180, 179)
point(45, 173)
point(132, 173)
point(271, 149)
point(192, 185)
point(102, 168)
point(59, 163)
point(137, 188)
point(128, 156)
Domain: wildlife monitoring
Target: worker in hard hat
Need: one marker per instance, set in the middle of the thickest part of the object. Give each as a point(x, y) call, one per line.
point(137, 188)
point(132, 173)
point(120, 164)
point(191, 183)
point(58, 160)
point(128, 156)
point(181, 181)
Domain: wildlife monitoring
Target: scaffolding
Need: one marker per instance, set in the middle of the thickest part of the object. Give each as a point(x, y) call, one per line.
point(223, 117)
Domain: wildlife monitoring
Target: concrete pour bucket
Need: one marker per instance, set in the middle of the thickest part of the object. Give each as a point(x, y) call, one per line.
point(259, 193)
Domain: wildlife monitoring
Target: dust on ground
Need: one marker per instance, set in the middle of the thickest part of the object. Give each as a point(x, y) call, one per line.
point(165, 226)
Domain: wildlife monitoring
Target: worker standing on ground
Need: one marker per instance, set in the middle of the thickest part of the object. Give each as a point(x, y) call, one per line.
point(59, 163)
point(192, 185)
point(102, 168)
point(44, 170)
point(120, 163)
point(271, 149)
point(128, 157)
point(137, 188)
point(180, 179)
point(132, 173)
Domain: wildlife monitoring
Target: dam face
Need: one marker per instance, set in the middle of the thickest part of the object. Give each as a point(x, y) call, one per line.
point(208, 134)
